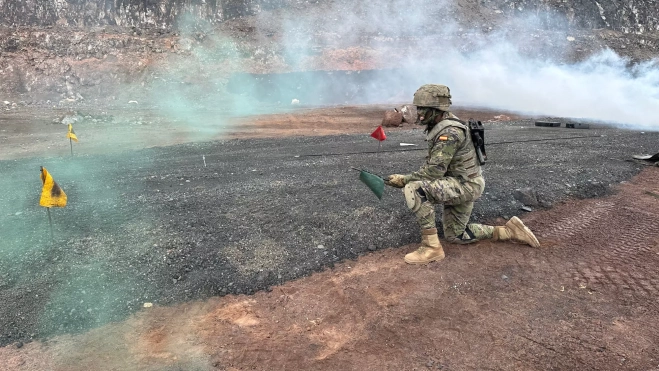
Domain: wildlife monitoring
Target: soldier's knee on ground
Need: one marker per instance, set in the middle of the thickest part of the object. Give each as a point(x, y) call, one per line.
point(414, 196)
point(463, 238)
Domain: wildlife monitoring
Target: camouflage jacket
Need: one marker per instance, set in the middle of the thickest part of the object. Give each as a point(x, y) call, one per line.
point(450, 154)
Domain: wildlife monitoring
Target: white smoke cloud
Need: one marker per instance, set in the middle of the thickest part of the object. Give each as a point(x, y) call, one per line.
point(518, 65)
point(497, 71)
point(602, 88)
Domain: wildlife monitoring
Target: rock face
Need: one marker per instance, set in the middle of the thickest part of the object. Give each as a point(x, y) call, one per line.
point(126, 13)
point(629, 16)
point(87, 13)
point(78, 50)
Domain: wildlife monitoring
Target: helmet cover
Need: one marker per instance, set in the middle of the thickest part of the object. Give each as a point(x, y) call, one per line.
point(432, 95)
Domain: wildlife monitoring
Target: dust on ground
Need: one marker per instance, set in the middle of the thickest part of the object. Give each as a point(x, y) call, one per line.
point(585, 299)
point(33, 132)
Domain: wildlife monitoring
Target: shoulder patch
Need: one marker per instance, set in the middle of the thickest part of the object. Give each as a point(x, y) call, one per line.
point(443, 137)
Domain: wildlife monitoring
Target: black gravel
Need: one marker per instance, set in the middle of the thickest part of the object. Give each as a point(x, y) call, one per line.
point(158, 226)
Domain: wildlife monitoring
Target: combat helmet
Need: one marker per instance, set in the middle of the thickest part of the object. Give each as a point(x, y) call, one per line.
point(432, 95)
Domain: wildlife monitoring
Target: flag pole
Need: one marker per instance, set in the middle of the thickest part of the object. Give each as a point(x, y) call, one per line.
point(71, 143)
point(50, 222)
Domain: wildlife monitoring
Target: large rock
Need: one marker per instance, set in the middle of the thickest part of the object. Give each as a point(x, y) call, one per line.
point(392, 118)
point(409, 113)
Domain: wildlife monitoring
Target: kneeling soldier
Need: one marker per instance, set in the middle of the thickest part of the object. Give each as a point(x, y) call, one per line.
point(452, 177)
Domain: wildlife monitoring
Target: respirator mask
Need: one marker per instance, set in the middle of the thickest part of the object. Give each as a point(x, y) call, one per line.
point(425, 115)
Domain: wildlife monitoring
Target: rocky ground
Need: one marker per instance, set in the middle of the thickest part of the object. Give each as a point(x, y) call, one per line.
point(213, 233)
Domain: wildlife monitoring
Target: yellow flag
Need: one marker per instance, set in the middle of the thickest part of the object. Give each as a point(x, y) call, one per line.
point(72, 134)
point(51, 194)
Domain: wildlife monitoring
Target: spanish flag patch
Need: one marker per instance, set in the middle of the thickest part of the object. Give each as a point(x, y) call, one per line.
point(443, 137)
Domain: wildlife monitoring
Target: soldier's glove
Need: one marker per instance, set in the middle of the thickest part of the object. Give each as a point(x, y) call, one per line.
point(396, 180)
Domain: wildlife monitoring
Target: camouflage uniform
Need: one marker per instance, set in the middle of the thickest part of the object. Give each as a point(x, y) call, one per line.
point(452, 177)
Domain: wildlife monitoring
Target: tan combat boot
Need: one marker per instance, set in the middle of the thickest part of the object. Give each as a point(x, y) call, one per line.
point(429, 251)
point(515, 230)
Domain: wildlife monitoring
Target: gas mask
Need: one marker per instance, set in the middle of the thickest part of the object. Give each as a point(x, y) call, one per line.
point(426, 115)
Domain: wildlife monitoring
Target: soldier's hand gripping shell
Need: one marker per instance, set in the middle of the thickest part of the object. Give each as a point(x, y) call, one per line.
point(396, 180)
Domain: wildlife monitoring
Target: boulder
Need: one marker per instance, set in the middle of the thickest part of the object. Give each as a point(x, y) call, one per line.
point(392, 118)
point(409, 113)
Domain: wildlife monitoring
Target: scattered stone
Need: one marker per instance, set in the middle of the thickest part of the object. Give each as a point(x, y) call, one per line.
point(295, 101)
point(148, 305)
point(500, 118)
point(526, 208)
point(68, 118)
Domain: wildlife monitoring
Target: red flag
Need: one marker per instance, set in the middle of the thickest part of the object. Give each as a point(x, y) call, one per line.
point(379, 134)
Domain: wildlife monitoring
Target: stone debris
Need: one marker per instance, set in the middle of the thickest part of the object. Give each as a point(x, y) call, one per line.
point(501, 118)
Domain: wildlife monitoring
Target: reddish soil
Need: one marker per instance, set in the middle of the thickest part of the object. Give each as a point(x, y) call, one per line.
point(585, 300)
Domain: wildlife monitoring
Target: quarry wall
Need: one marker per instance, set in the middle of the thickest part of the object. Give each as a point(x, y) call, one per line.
point(53, 50)
point(629, 16)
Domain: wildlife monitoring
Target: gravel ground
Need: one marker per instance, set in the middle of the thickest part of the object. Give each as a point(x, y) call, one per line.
point(158, 225)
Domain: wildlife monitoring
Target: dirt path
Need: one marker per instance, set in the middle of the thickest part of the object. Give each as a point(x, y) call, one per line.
point(586, 300)
point(38, 133)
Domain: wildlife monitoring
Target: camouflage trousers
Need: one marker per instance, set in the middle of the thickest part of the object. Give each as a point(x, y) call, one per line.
point(457, 199)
